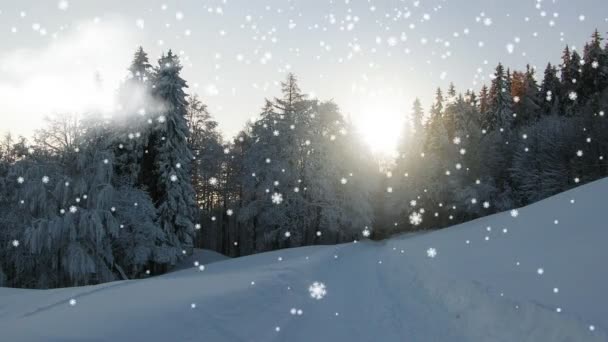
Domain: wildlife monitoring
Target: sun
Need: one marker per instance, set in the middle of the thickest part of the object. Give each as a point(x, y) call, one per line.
point(379, 119)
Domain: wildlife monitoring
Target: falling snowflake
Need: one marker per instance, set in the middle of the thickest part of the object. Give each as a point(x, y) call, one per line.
point(72, 302)
point(540, 271)
point(20, 180)
point(514, 213)
point(431, 252)
point(229, 212)
point(15, 243)
point(213, 181)
point(415, 218)
point(595, 64)
point(366, 232)
point(573, 96)
point(456, 140)
point(343, 180)
point(173, 178)
point(73, 209)
point(287, 234)
point(277, 198)
point(317, 290)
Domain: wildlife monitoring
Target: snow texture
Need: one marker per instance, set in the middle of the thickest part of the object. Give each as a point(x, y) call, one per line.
point(482, 285)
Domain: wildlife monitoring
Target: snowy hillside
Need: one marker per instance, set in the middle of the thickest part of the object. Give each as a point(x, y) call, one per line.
point(536, 274)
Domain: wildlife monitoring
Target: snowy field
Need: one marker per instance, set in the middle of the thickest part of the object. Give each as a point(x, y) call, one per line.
point(536, 274)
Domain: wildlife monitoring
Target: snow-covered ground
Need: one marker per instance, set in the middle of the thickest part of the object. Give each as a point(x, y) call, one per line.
point(537, 274)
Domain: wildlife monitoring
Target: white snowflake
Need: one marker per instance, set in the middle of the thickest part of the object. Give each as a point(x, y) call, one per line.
point(317, 290)
point(343, 180)
point(415, 218)
point(213, 181)
point(287, 234)
point(595, 64)
point(15, 243)
point(173, 178)
point(72, 302)
point(431, 252)
point(73, 209)
point(514, 213)
point(573, 96)
point(229, 212)
point(45, 179)
point(20, 180)
point(366, 232)
point(277, 198)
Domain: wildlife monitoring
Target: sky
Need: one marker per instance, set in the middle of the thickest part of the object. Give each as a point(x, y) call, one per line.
point(372, 57)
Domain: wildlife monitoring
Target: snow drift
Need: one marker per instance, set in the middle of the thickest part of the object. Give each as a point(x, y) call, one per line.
point(535, 274)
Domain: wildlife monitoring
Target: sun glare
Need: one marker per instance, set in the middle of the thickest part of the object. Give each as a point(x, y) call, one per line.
point(380, 119)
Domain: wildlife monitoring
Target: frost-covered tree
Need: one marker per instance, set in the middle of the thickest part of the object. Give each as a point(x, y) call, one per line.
point(169, 157)
point(500, 111)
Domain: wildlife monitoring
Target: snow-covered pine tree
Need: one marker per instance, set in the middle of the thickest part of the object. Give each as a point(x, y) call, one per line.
point(132, 129)
point(168, 159)
point(500, 113)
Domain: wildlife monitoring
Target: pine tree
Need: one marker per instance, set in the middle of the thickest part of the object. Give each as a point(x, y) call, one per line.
point(527, 107)
point(500, 115)
point(435, 127)
point(132, 130)
point(417, 116)
point(484, 101)
point(170, 156)
point(595, 69)
point(140, 68)
point(550, 91)
point(571, 82)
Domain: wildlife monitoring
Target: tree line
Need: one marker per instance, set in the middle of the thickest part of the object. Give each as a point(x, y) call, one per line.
point(93, 199)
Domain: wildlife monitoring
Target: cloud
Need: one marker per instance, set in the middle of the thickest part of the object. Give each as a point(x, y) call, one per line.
point(77, 72)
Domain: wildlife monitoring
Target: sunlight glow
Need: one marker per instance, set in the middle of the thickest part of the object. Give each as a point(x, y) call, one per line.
point(380, 118)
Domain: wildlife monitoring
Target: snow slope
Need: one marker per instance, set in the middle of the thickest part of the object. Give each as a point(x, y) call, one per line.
point(388, 291)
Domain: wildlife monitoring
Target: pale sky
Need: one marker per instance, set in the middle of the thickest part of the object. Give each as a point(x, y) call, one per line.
point(373, 57)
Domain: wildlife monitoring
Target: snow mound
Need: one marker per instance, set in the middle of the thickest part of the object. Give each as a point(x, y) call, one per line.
point(200, 257)
point(535, 274)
